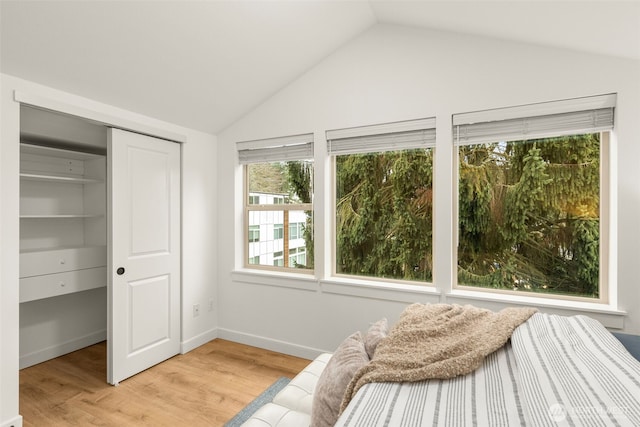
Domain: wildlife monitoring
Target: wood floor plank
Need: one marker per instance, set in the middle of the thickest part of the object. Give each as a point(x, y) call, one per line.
point(205, 387)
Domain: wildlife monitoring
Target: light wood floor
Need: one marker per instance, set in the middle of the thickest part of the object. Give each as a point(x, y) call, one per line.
point(205, 387)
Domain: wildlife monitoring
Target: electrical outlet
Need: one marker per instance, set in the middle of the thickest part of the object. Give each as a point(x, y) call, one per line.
point(196, 310)
point(210, 304)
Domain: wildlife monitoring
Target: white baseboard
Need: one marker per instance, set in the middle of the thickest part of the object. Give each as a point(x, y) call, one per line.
point(198, 340)
point(14, 422)
point(45, 354)
point(270, 344)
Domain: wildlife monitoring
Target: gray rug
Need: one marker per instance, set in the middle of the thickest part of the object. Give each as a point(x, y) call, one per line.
point(264, 398)
point(630, 342)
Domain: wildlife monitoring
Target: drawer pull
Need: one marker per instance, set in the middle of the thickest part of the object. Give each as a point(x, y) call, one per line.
point(61, 284)
point(62, 261)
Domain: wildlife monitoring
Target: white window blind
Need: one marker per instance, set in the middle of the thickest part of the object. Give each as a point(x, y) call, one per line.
point(295, 147)
point(394, 136)
point(549, 119)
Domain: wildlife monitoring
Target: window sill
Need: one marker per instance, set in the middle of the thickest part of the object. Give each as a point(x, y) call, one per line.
point(387, 291)
point(609, 316)
point(305, 282)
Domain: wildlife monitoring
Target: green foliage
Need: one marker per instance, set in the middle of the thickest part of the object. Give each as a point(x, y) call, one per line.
point(586, 247)
point(267, 178)
point(384, 214)
point(300, 177)
point(529, 215)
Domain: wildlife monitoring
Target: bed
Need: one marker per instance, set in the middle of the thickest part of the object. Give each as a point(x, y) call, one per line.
point(554, 371)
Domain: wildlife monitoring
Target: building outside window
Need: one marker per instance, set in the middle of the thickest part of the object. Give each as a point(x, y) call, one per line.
point(268, 226)
point(298, 255)
point(254, 232)
point(532, 213)
point(296, 229)
point(278, 231)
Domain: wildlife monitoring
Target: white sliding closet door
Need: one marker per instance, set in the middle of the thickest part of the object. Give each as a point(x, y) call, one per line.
point(144, 252)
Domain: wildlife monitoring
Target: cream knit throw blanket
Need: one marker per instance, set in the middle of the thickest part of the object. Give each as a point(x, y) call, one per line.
point(437, 341)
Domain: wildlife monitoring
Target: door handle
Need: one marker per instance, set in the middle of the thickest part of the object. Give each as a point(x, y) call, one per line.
point(120, 271)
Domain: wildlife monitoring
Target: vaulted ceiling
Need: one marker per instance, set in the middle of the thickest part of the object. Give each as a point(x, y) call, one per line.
point(204, 64)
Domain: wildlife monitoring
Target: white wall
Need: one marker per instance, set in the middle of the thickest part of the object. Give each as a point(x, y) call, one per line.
point(199, 197)
point(393, 73)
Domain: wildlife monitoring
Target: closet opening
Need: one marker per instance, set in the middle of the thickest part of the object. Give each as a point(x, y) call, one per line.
point(63, 234)
point(99, 242)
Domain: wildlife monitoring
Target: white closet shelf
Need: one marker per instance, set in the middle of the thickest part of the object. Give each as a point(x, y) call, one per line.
point(55, 178)
point(55, 216)
point(63, 248)
point(27, 148)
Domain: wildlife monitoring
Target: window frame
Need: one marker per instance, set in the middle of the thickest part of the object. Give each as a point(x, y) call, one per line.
point(604, 296)
point(248, 207)
point(378, 131)
point(334, 244)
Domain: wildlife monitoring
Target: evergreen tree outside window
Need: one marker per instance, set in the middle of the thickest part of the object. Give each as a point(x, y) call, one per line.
point(383, 200)
point(532, 213)
point(278, 191)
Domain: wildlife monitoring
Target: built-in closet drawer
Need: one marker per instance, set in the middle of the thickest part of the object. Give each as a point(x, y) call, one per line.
point(51, 285)
point(37, 263)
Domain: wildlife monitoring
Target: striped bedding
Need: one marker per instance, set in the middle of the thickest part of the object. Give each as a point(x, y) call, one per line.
point(574, 372)
point(555, 371)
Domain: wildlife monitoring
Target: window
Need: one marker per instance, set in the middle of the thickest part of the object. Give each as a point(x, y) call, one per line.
point(532, 213)
point(294, 231)
point(278, 259)
point(278, 231)
point(254, 233)
point(278, 195)
point(297, 256)
point(383, 200)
